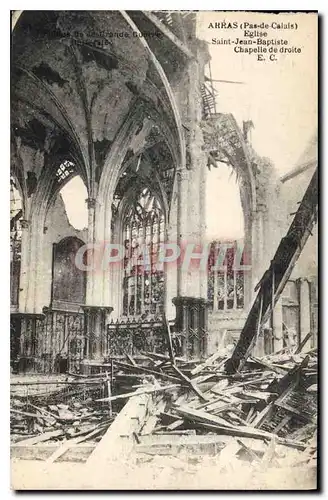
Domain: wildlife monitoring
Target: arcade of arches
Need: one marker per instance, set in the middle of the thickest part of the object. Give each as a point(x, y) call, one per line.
point(131, 117)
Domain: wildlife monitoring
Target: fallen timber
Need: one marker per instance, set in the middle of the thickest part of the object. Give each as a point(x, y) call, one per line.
point(252, 409)
point(275, 278)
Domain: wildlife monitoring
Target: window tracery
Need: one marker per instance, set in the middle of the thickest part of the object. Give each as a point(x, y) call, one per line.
point(226, 284)
point(143, 282)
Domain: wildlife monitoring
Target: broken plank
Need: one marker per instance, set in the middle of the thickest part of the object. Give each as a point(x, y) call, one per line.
point(250, 414)
point(203, 378)
point(130, 358)
point(40, 438)
point(249, 432)
point(271, 367)
point(71, 442)
point(209, 403)
point(254, 395)
point(24, 413)
point(282, 424)
point(175, 425)
point(302, 344)
point(168, 444)
point(149, 425)
point(191, 384)
point(178, 432)
point(220, 407)
point(119, 438)
point(200, 415)
point(146, 390)
point(152, 420)
point(208, 362)
point(262, 415)
point(162, 357)
point(146, 370)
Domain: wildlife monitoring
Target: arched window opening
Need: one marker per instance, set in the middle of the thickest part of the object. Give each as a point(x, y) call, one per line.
point(225, 229)
point(143, 280)
point(74, 195)
point(16, 215)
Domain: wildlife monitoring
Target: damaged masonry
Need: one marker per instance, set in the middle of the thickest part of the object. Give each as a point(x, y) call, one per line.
point(159, 376)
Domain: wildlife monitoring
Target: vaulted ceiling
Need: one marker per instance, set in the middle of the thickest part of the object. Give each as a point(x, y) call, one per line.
point(77, 77)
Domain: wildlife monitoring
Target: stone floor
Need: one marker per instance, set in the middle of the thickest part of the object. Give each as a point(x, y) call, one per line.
point(165, 473)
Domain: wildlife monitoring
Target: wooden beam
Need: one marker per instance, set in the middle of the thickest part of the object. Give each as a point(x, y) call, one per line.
point(144, 370)
point(201, 416)
point(168, 33)
point(119, 438)
point(40, 438)
point(66, 445)
point(282, 265)
point(208, 362)
point(190, 383)
point(145, 390)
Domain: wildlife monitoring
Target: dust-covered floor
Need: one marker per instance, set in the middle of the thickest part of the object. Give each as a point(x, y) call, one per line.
point(222, 472)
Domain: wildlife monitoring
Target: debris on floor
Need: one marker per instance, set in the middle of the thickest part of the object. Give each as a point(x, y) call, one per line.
point(53, 416)
point(163, 405)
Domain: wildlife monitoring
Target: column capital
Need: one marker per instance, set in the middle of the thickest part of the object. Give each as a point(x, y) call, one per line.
point(95, 309)
point(190, 301)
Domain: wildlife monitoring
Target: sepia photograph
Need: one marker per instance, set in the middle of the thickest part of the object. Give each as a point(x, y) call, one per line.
point(164, 250)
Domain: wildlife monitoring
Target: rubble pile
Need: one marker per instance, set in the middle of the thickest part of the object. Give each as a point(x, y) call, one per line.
point(195, 407)
point(48, 418)
point(274, 397)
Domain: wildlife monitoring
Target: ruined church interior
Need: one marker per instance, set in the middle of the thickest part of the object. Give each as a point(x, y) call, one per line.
point(117, 134)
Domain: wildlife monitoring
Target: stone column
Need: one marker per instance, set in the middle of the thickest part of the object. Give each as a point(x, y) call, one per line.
point(91, 203)
point(182, 321)
point(191, 323)
point(191, 319)
point(113, 275)
point(22, 296)
point(96, 313)
point(30, 264)
point(95, 324)
point(278, 343)
point(28, 340)
point(171, 268)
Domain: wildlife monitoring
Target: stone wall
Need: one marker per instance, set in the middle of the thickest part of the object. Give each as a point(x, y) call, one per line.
point(57, 227)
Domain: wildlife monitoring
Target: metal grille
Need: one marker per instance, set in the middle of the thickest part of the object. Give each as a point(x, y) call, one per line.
point(133, 337)
point(54, 343)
